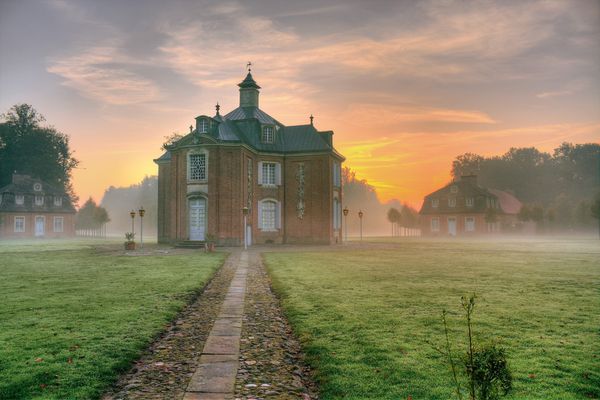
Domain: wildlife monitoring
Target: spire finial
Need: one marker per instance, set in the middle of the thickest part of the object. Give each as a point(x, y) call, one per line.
point(311, 119)
point(191, 128)
point(248, 66)
point(218, 107)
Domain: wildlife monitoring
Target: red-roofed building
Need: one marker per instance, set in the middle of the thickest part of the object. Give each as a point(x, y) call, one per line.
point(465, 208)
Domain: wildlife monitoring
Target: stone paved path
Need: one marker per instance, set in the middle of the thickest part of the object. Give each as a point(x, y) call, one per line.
point(218, 365)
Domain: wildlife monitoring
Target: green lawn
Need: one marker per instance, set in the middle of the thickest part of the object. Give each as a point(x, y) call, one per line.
point(72, 317)
point(364, 315)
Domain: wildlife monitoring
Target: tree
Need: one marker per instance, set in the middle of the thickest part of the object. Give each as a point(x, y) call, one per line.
point(32, 149)
point(537, 215)
point(91, 217)
point(394, 216)
point(171, 139)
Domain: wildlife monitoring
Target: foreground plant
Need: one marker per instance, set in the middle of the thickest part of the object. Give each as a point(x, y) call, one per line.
point(484, 366)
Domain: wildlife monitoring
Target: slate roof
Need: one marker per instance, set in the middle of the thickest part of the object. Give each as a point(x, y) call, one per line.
point(467, 187)
point(244, 125)
point(23, 185)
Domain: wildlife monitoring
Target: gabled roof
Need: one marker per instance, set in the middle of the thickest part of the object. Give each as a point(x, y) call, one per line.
point(24, 185)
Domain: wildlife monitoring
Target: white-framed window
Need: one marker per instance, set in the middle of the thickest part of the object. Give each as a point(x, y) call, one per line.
point(59, 224)
point(58, 201)
point(268, 134)
point(39, 200)
point(19, 199)
point(469, 201)
point(203, 126)
point(269, 173)
point(452, 202)
point(435, 224)
point(197, 163)
point(337, 174)
point(435, 203)
point(469, 224)
point(453, 189)
point(337, 214)
point(19, 224)
point(269, 215)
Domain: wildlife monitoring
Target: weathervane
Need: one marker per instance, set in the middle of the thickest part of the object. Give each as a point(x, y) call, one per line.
point(248, 66)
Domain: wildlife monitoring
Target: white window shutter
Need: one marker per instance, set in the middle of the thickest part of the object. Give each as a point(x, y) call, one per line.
point(278, 216)
point(278, 174)
point(260, 214)
point(260, 173)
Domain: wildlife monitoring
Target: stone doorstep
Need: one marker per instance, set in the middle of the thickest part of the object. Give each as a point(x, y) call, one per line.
point(214, 377)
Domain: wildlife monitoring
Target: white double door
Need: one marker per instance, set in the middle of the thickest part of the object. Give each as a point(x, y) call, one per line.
point(39, 225)
point(452, 226)
point(197, 219)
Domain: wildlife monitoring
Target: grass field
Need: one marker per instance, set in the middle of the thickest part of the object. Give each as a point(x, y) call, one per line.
point(73, 316)
point(364, 315)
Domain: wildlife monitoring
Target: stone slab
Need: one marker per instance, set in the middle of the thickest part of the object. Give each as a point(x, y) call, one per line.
point(207, 396)
point(222, 345)
point(214, 377)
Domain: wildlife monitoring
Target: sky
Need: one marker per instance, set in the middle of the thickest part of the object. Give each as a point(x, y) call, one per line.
point(405, 85)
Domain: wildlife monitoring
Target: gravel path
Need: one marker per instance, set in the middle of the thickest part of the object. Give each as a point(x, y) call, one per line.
point(165, 370)
point(271, 361)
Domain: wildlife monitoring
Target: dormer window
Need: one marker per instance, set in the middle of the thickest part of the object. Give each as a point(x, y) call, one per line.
point(435, 203)
point(452, 202)
point(39, 200)
point(58, 201)
point(268, 134)
point(203, 126)
point(37, 187)
point(19, 199)
point(453, 189)
point(469, 201)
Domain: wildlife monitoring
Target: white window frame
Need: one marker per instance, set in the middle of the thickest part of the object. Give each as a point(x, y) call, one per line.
point(337, 174)
point(275, 224)
point(469, 224)
point(57, 201)
point(61, 225)
point(268, 134)
point(39, 200)
point(19, 199)
point(435, 203)
point(203, 125)
point(435, 227)
point(469, 201)
point(203, 177)
point(267, 179)
point(453, 189)
point(337, 214)
point(452, 202)
point(20, 218)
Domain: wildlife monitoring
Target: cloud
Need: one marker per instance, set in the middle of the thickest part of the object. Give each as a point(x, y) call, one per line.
point(102, 73)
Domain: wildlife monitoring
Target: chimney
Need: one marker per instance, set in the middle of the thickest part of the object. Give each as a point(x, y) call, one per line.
point(19, 178)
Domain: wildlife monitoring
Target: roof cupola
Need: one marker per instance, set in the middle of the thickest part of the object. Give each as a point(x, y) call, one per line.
point(248, 91)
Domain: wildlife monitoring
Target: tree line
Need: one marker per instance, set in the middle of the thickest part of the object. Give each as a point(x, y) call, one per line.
point(559, 190)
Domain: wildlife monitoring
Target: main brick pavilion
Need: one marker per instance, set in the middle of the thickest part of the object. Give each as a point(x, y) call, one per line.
point(287, 177)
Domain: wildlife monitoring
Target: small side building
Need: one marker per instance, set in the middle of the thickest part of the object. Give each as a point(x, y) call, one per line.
point(465, 208)
point(31, 208)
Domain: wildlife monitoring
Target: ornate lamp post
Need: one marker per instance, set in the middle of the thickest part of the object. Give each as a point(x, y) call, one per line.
point(345, 211)
point(245, 212)
point(142, 212)
point(360, 215)
point(132, 215)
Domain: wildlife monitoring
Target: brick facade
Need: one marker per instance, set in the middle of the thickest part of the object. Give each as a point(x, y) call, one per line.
point(303, 196)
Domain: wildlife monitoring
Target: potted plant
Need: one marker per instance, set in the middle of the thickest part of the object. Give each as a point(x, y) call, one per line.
point(210, 243)
point(129, 242)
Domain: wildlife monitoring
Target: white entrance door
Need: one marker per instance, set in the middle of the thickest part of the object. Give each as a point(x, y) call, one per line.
point(39, 226)
point(452, 226)
point(197, 219)
point(248, 235)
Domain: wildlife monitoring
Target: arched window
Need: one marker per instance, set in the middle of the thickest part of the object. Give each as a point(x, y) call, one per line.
point(269, 215)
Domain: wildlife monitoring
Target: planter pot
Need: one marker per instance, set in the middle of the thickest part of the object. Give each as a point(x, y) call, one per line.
point(129, 245)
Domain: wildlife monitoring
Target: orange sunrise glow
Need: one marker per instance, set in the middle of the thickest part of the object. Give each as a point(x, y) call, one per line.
point(405, 86)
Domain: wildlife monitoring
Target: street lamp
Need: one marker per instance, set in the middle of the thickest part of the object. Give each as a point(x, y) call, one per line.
point(142, 212)
point(360, 215)
point(345, 211)
point(132, 214)
point(245, 212)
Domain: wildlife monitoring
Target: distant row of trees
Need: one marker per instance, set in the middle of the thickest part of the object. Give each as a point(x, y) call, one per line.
point(559, 190)
point(91, 219)
point(404, 221)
